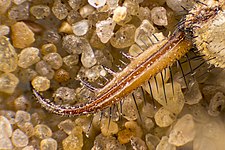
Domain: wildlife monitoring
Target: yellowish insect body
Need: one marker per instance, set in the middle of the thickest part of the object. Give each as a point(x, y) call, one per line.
point(142, 68)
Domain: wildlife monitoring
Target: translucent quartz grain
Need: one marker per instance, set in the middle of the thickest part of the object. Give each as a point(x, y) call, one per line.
point(148, 110)
point(132, 7)
point(35, 143)
point(59, 136)
point(5, 143)
point(119, 14)
point(18, 2)
point(158, 16)
point(4, 5)
point(124, 37)
point(112, 3)
point(48, 144)
point(143, 34)
point(93, 73)
point(75, 140)
point(138, 144)
point(42, 131)
point(36, 118)
point(183, 131)
point(5, 133)
point(217, 104)
point(59, 10)
point(83, 93)
point(104, 29)
point(130, 111)
point(75, 4)
point(44, 69)
point(21, 35)
point(73, 17)
point(51, 36)
point(80, 28)
point(96, 121)
point(151, 141)
point(5, 128)
point(144, 13)
point(88, 57)
point(164, 118)
point(97, 3)
point(71, 60)
point(4, 30)
point(40, 83)
point(26, 75)
point(164, 145)
point(65, 28)
point(27, 128)
point(98, 16)
point(96, 43)
point(86, 10)
point(73, 44)
point(174, 102)
point(40, 11)
point(28, 57)
point(20, 12)
point(178, 78)
point(48, 48)
point(22, 103)
point(10, 115)
point(132, 130)
point(61, 75)
point(22, 117)
point(54, 60)
point(104, 57)
point(67, 126)
point(8, 82)
point(19, 138)
point(160, 132)
point(28, 148)
point(8, 55)
point(124, 136)
point(107, 142)
point(64, 95)
point(148, 123)
point(193, 94)
point(84, 122)
point(107, 128)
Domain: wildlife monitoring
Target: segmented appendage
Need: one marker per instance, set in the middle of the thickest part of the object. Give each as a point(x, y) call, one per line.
point(206, 21)
point(146, 65)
